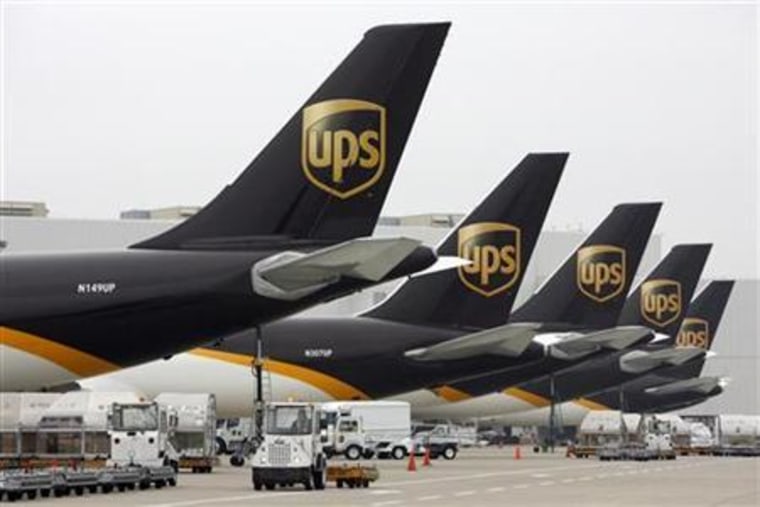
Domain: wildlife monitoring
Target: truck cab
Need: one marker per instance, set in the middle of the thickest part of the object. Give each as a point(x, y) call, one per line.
point(140, 435)
point(291, 449)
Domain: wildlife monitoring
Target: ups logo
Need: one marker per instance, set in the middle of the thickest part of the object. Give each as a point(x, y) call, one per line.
point(343, 145)
point(494, 249)
point(601, 271)
point(693, 333)
point(660, 301)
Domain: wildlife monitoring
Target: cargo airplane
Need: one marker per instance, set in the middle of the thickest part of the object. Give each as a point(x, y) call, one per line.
point(289, 233)
point(672, 387)
point(442, 326)
point(657, 303)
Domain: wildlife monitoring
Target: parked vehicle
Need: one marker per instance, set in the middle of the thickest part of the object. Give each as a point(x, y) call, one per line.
point(141, 435)
point(737, 435)
point(291, 451)
point(356, 429)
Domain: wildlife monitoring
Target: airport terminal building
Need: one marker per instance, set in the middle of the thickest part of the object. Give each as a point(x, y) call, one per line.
point(25, 227)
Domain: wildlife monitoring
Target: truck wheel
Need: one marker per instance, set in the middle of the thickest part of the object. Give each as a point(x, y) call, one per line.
point(398, 452)
point(449, 453)
point(106, 488)
point(339, 483)
point(45, 493)
point(221, 446)
point(365, 483)
point(237, 460)
point(269, 486)
point(171, 482)
point(79, 490)
point(31, 494)
point(307, 483)
point(319, 475)
point(353, 452)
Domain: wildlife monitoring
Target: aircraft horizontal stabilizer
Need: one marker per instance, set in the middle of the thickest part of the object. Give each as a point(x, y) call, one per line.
point(696, 385)
point(639, 361)
point(508, 340)
point(293, 275)
point(617, 338)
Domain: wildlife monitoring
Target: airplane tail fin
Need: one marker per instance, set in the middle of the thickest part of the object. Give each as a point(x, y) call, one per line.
point(703, 317)
point(659, 302)
point(326, 174)
point(589, 289)
point(498, 237)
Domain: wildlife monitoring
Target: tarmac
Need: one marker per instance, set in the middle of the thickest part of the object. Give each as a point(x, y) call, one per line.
point(487, 476)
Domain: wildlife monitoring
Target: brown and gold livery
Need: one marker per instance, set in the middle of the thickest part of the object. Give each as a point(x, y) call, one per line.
point(661, 301)
point(343, 145)
point(694, 332)
point(494, 249)
point(601, 271)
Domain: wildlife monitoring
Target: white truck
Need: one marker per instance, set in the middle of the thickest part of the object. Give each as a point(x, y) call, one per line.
point(232, 433)
point(356, 429)
point(737, 435)
point(140, 435)
point(291, 451)
point(194, 435)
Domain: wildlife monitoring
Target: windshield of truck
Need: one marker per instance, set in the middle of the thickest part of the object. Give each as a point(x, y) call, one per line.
point(135, 418)
point(288, 421)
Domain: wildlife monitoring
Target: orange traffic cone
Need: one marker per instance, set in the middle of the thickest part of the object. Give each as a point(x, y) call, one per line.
point(412, 466)
point(426, 457)
point(517, 452)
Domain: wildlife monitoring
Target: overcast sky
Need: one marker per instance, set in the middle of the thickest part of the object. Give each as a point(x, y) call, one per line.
point(111, 106)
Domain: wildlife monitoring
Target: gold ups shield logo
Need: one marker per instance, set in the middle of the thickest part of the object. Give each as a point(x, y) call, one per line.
point(601, 271)
point(693, 333)
point(494, 249)
point(343, 145)
point(660, 301)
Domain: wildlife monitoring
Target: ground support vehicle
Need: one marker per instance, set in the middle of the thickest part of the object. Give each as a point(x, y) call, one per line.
point(363, 429)
point(291, 450)
point(352, 476)
point(141, 437)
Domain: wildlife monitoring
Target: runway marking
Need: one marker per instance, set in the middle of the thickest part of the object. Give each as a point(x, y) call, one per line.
point(225, 499)
point(387, 502)
point(546, 483)
point(487, 475)
point(497, 489)
point(540, 476)
point(568, 481)
point(464, 493)
point(585, 478)
point(283, 494)
point(385, 492)
point(429, 497)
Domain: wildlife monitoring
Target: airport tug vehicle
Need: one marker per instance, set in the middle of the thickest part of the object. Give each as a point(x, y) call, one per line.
point(291, 449)
point(141, 443)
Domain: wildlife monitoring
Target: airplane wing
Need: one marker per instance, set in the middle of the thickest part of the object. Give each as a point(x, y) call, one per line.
point(700, 385)
point(292, 275)
point(639, 361)
point(617, 338)
point(507, 340)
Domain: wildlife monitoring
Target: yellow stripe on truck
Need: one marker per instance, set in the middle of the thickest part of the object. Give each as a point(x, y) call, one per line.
point(334, 387)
